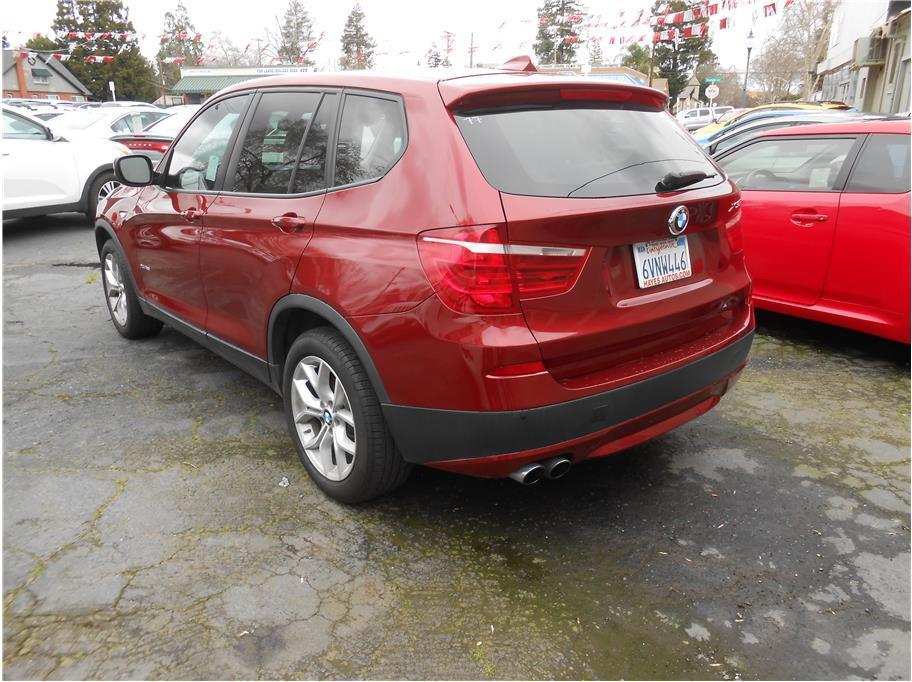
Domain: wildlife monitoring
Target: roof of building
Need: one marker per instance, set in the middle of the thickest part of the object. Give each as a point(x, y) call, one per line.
point(43, 62)
point(209, 84)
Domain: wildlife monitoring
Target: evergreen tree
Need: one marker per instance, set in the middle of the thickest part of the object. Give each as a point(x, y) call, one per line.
point(595, 52)
point(131, 73)
point(557, 38)
point(677, 59)
point(433, 57)
point(295, 35)
point(180, 40)
point(357, 45)
point(41, 44)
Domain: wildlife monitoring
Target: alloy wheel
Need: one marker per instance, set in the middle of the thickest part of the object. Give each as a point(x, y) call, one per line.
point(106, 189)
point(323, 417)
point(114, 290)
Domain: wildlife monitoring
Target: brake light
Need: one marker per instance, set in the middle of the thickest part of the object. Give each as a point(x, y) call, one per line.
point(145, 145)
point(475, 270)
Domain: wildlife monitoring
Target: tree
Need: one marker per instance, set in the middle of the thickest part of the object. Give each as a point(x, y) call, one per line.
point(557, 38)
point(180, 39)
point(677, 58)
point(41, 44)
point(433, 57)
point(777, 72)
point(294, 39)
point(129, 70)
point(637, 58)
point(803, 36)
point(226, 53)
point(595, 51)
point(357, 45)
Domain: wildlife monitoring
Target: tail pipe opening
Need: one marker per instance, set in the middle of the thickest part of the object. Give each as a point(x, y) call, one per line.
point(529, 474)
point(557, 467)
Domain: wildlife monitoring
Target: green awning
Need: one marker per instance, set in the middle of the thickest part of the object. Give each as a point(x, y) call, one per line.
point(207, 84)
point(44, 73)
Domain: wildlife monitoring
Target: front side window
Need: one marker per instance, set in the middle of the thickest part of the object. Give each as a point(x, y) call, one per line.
point(883, 166)
point(371, 138)
point(18, 128)
point(789, 164)
point(273, 141)
point(199, 153)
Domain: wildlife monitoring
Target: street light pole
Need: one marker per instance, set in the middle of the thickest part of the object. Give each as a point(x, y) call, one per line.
point(750, 45)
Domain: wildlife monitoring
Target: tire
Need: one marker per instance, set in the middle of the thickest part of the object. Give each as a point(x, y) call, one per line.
point(123, 304)
point(375, 467)
point(104, 184)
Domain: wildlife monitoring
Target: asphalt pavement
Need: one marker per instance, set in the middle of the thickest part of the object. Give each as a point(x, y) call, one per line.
point(148, 531)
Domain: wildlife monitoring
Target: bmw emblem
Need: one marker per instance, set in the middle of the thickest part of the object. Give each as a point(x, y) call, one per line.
point(327, 417)
point(677, 221)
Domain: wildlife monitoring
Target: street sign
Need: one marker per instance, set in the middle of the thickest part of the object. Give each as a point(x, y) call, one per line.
point(712, 91)
point(712, 80)
point(111, 88)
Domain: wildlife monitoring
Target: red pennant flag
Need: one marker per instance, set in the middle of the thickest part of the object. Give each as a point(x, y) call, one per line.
point(723, 22)
point(769, 10)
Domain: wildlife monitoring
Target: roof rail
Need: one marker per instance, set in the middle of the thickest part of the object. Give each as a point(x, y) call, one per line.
point(520, 63)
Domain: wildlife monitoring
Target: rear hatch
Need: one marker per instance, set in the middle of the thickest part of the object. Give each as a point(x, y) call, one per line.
point(579, 168)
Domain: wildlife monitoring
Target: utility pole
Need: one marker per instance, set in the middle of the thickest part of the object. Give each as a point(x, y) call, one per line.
point(259, 53)
point(652, 54)
point(471, 49)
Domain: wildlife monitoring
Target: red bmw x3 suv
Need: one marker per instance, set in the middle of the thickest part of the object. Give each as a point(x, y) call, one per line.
point(498, 274)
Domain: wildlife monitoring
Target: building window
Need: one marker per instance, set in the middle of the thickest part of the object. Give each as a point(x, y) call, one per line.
point(77, 98)
point(41, 76)
point(53, 97)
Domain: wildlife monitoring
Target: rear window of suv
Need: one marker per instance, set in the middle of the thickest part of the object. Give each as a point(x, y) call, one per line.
point(580, 151)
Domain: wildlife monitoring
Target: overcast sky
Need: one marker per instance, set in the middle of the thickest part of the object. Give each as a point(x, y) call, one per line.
point(501, 28)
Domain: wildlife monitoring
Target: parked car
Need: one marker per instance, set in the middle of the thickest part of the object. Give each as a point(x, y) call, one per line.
point(826, 222)
point(106, 122)
point(701, 116)
point(442, 271)
point(154, 140)
point(753, 117)
point(47, 174)
point(704, 132)
point(752, 129)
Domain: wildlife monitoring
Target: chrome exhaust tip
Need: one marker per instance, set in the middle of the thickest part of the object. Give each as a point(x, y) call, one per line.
point(529, 474)
point(557, 467)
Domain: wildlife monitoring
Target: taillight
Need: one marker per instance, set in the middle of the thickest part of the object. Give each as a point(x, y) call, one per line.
point(732, 224)
point(145, 145)
point(475, 270)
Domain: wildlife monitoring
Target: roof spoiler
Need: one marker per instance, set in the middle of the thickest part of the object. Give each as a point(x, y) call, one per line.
point(520, 63)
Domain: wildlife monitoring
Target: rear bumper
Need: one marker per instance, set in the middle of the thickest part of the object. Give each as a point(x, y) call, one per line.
point(495, 443)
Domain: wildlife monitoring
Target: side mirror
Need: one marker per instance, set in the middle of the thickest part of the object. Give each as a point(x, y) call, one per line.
point(134, 170)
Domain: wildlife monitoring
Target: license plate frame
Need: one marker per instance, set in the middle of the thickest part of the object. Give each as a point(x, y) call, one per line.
point(662, 261)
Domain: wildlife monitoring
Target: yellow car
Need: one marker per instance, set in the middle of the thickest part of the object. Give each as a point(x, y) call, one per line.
point(708, 130)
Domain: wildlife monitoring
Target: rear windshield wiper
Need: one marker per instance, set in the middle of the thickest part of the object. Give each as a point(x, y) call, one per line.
point(673, 181)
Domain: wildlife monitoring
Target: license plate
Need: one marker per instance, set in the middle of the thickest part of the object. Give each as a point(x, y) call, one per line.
point(661, 262)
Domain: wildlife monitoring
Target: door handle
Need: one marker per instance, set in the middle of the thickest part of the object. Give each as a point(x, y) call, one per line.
point(802, 218)
point(192, 214)
point(289, 222)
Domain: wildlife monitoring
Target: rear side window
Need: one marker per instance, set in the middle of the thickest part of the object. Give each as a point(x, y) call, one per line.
point(311, 172)
point(789, 164)
point(580, 151)
point(371, 138)
point(883, 167)
point(272, 142)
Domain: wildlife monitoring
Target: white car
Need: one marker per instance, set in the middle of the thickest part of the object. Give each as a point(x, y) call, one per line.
point(697, 118)
point(106, 122)
point(45, 173)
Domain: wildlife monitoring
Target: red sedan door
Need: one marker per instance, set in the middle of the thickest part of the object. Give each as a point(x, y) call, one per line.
point(790, 206)
point(869, 270)
point(256, 230)
point(164, 232)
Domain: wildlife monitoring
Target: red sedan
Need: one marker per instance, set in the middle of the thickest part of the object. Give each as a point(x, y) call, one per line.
point(826, 222)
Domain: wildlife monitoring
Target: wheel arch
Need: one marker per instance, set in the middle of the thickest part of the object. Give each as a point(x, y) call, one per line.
point(93, 176)
point(296, 313)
